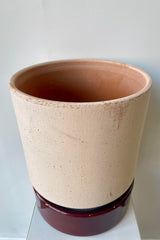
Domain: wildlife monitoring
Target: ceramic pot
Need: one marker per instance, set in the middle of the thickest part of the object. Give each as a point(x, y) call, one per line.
point(81, 123)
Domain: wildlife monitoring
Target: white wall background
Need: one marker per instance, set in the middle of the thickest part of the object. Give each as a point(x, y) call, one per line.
point(33, 31)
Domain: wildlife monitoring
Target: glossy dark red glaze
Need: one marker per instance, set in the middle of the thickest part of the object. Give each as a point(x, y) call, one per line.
point(84, 222)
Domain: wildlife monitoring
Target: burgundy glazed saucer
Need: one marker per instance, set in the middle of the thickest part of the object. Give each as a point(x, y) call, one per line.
point(84, 222)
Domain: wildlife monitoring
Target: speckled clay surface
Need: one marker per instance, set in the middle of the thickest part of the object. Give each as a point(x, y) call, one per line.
point(83, 154)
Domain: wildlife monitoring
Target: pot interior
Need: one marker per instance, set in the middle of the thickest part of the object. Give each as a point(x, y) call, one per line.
point(83, 81)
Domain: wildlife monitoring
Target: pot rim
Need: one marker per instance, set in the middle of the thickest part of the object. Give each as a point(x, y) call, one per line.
point(47, 102)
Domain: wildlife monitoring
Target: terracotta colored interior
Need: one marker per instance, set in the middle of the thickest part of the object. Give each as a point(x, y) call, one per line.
point(80, 81)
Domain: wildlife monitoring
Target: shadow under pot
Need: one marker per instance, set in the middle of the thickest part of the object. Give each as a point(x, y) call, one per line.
point(81, 123)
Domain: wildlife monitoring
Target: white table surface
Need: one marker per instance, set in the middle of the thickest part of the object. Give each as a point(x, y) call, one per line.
point(126, 229)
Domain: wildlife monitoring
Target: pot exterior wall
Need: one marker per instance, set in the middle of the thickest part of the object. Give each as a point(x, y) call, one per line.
point(81, 155)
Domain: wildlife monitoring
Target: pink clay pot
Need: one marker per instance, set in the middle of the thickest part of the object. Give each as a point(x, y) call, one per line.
point(81, 123)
